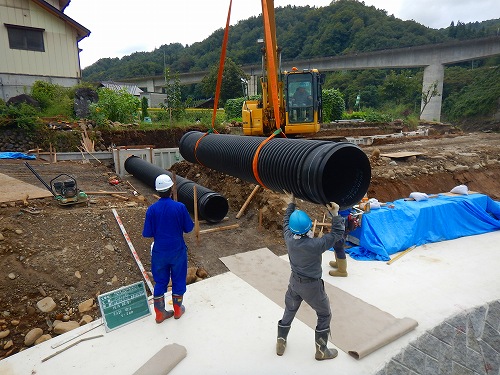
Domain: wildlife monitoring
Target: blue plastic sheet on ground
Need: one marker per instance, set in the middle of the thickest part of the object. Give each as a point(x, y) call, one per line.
point(386, 231)
point(16, 155)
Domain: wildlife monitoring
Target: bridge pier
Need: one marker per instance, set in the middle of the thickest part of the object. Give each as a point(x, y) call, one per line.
point(433, 74)
point(253, 83)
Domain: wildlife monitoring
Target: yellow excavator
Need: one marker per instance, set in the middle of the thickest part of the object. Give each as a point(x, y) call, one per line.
point(291, 100)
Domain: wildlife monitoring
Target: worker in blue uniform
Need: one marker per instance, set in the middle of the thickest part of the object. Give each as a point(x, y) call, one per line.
point(306, 284)
point(167, 221)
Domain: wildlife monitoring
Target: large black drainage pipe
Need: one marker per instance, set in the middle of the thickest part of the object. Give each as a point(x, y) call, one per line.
point(316, 171)
point(212, 206)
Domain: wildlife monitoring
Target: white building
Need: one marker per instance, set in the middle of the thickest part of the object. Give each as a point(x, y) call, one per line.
point(37, 42)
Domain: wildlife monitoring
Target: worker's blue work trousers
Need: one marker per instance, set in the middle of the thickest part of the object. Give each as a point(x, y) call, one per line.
point(166, 266)
point(312, 291)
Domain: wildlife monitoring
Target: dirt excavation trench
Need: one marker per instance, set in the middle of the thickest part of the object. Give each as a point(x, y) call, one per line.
point(69, 255)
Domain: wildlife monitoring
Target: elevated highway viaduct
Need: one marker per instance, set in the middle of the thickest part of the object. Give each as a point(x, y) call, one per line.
point(432, 57)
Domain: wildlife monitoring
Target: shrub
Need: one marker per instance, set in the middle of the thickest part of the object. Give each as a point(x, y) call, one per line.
point(54, 100)
point(204, 117)
point(22, 115)
point(114, 106)
point(333, 105)
point(233, 107)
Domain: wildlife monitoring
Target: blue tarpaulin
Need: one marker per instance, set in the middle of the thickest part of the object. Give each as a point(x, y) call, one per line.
point(16, 155)
point(386, 231)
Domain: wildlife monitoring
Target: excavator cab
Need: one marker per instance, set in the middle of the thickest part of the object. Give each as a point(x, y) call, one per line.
point(291, 101)
point(303, 101)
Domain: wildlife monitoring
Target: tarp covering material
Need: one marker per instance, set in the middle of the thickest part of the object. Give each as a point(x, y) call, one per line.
point(386, 231)
point(16, 155)
point(357, 327)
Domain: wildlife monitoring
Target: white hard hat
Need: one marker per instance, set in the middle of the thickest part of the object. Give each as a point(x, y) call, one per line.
point(163, 183)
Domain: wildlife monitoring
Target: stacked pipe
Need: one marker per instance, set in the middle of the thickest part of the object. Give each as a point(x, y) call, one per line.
point(315, 171)
point(212, 206)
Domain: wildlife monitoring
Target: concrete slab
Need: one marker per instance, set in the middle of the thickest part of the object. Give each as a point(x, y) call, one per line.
point(230, 327)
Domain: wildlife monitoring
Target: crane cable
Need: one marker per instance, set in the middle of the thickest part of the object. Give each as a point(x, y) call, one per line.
point(219, 80)
point(221, 64)
point(273, 85)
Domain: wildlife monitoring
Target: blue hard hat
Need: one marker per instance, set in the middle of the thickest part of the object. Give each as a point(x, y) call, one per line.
point(299, 222)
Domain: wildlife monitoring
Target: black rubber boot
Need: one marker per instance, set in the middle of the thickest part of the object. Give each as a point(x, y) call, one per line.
point(322, 352)
point(282, 335)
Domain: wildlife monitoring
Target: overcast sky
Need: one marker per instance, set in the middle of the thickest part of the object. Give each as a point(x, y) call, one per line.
point(122, 27)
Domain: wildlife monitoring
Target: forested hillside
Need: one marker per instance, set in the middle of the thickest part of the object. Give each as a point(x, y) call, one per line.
point(345, 26)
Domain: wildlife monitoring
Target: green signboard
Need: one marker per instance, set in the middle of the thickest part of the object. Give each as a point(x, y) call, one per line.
point(124, 305)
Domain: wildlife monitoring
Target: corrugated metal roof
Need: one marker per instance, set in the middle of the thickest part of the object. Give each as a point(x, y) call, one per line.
point(131, 89)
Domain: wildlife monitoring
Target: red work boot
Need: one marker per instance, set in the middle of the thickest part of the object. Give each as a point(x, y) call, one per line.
point(161, 313)
point(178, 307)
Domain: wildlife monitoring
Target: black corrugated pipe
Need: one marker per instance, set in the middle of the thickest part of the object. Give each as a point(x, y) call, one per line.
point(212, 206)
point(316, 171)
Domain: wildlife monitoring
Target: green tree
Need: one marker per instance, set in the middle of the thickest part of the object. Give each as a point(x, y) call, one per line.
point(427, 94)
point(175, 107)
point(399, 88)
point(231, 86)
point(144, 107)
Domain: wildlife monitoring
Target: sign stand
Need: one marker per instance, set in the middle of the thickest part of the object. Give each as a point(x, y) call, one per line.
point(124, 305)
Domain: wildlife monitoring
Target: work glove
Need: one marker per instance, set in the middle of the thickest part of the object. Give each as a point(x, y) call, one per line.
point(333, 208)
point(289, 197)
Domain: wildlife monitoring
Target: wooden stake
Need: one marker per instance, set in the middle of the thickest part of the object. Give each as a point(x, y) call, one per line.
point(322, 227)
point(247, 202)
point(206, 222)
point(174, 188)
point(323, 224)
point(132, 186)
point(218, 229)
point(314, 226)
point(196, 221)
point(105, 192)
point(401, 254)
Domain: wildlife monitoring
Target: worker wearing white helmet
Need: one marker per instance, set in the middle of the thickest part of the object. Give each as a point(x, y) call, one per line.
point(305, 254)
point(167, 221)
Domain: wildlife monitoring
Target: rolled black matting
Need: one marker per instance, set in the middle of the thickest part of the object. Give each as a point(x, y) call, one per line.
point(212, 206)
point(316, 171)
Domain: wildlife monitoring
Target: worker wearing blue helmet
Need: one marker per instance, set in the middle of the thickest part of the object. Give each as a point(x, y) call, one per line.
point(305, 284)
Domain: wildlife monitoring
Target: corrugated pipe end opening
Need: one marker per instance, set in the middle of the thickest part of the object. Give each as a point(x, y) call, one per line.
point(213, 207)
point(346, 176)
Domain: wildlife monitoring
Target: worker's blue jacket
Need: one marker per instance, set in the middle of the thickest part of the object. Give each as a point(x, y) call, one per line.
point(166, 221)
